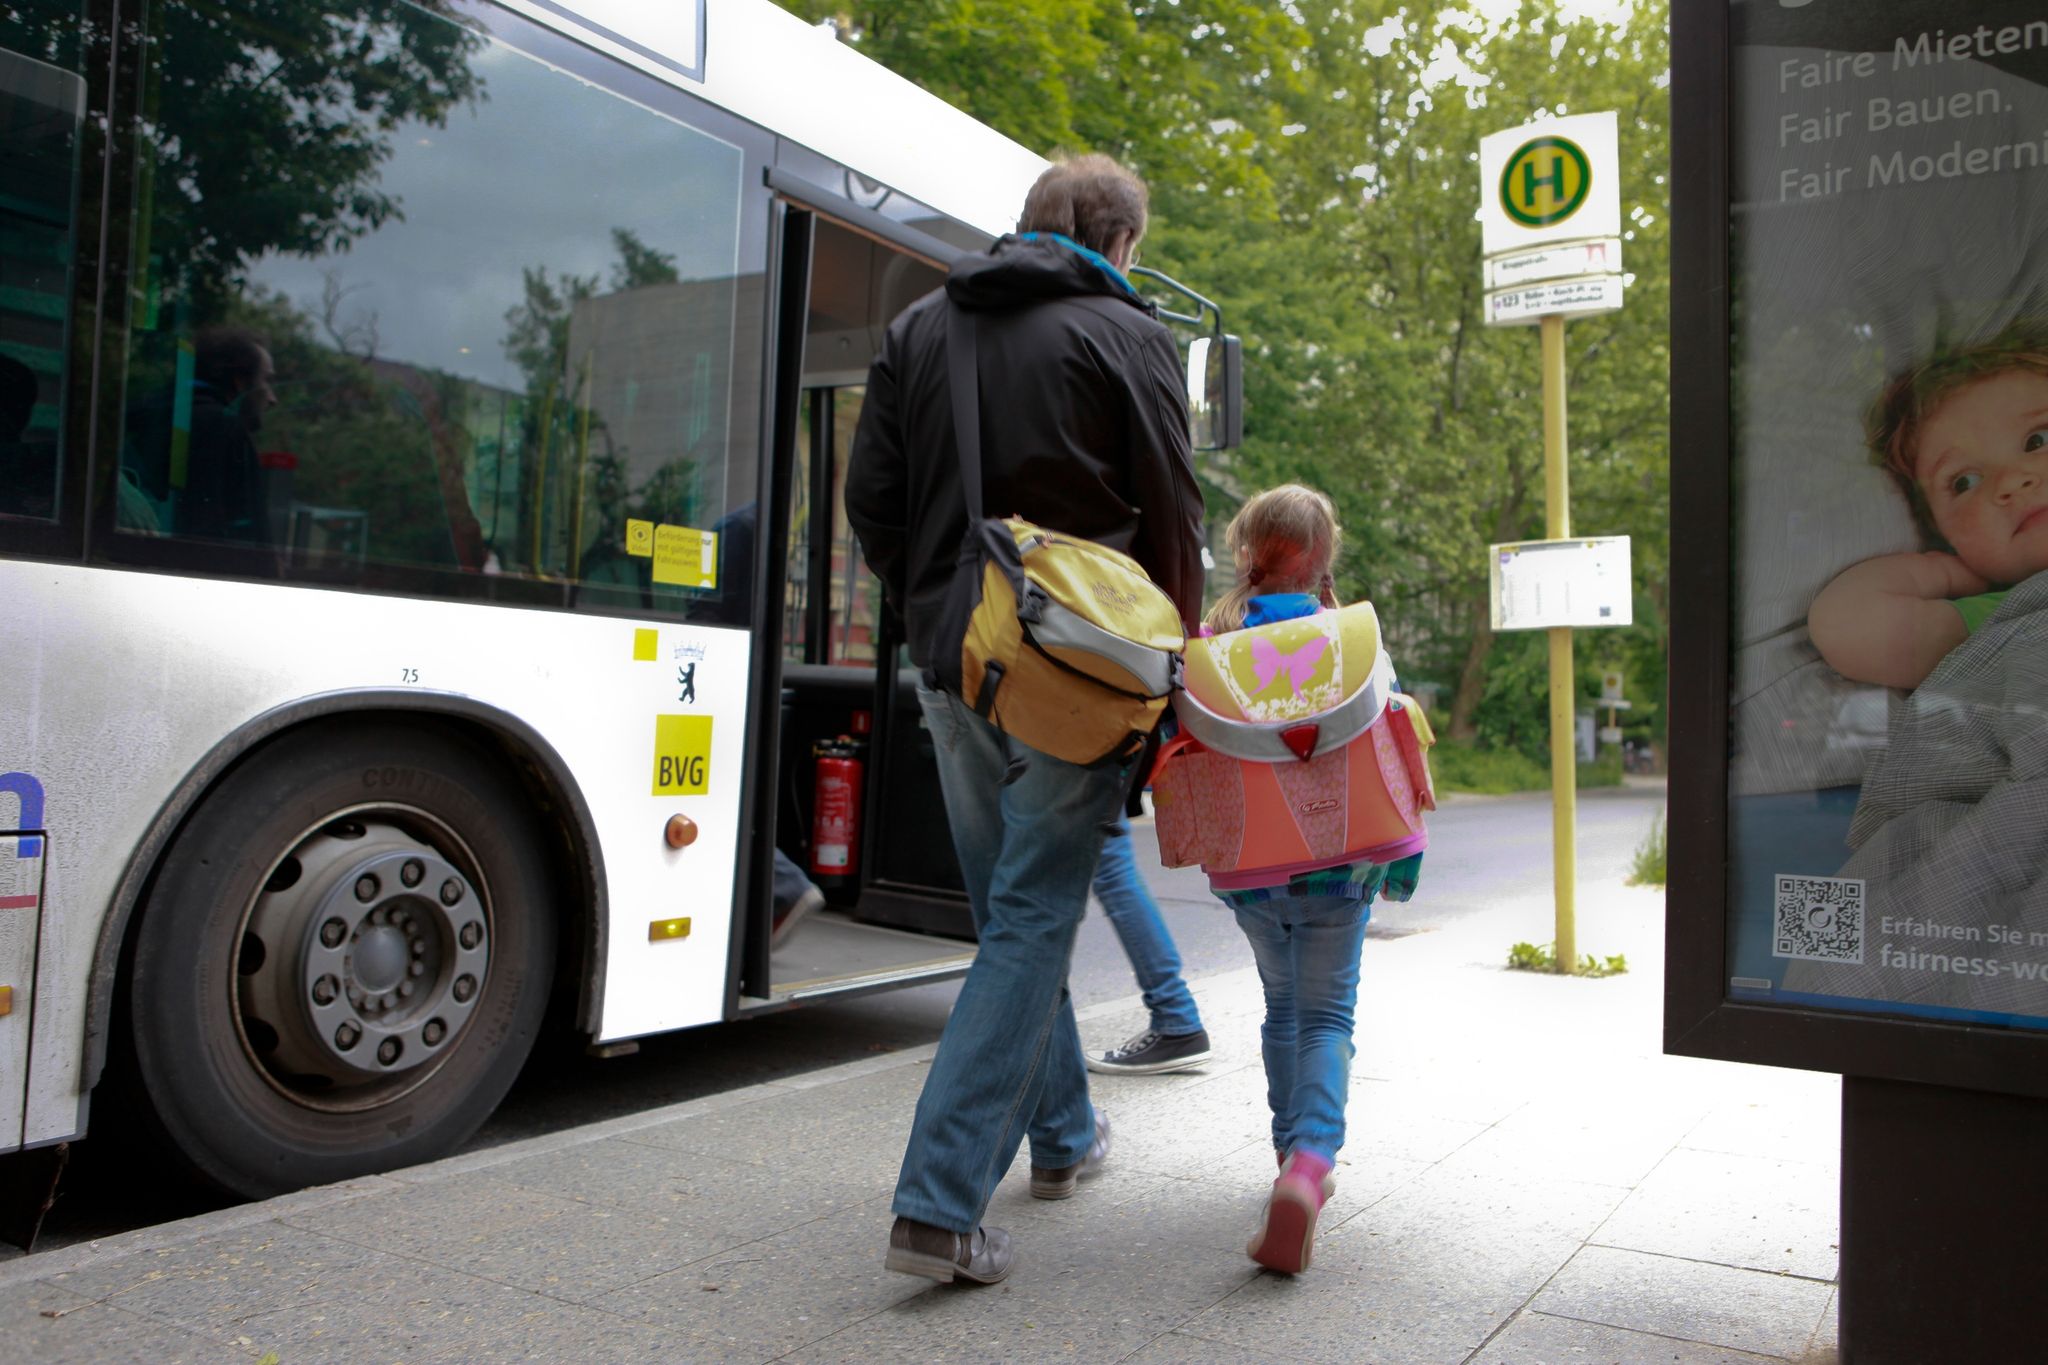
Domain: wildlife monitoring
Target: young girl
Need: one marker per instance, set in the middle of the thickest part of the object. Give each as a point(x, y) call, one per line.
point(1306, 934)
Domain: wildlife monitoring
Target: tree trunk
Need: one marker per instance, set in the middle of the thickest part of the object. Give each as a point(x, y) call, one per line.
point(1472, 676)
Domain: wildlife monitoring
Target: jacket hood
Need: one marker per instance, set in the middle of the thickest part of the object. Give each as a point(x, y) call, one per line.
point(1032, 267)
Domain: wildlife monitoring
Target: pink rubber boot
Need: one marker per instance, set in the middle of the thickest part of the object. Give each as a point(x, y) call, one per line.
point(1286, 1240)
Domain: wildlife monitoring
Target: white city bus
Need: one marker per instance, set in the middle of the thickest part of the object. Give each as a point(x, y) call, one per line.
point(425, 577)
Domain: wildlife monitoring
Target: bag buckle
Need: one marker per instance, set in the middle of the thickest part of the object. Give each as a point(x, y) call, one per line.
point(1301, 739)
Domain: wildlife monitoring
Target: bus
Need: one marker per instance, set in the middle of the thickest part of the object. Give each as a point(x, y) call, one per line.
point(425, 587)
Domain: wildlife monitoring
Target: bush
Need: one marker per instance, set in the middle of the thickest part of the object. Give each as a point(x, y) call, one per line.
point(1648, 867)
point(1498, 771)
point(1534, 957)
point(1494, 772)
point(1604, 771)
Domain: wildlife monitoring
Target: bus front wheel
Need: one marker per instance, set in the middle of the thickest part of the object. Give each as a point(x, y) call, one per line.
point(344, 958)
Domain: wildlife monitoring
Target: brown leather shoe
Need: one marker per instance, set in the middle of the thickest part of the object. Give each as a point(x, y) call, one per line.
point(983, 1256)
point(1057, 1182)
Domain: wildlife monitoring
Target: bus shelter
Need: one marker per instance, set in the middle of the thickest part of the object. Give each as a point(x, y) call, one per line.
point(1859, 878)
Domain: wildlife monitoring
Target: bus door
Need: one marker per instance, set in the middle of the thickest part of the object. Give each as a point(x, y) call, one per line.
point(858, 810)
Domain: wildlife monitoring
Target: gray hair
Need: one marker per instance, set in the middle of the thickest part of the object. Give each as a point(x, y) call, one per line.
point(1088, 198)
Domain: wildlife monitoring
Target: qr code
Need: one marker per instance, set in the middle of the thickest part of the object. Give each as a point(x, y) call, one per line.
point(1819, 919)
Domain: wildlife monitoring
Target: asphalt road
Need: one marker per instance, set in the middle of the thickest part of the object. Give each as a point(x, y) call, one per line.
point(1482, 850)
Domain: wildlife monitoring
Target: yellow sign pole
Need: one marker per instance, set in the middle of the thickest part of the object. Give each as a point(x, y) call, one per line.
point(1557, 525)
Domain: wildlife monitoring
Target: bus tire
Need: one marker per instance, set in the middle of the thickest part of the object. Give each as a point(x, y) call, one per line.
point(343, 959)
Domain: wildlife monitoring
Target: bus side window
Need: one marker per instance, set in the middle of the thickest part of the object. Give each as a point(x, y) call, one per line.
point(41, 105)
point(435, 324)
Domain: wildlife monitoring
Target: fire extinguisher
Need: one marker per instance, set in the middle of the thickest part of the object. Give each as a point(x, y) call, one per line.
point(835, 820)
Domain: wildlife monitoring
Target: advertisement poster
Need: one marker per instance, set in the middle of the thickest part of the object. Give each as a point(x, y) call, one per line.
point(1888, 252)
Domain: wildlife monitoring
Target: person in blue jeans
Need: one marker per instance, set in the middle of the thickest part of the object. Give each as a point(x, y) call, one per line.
point(1010, 1050)
point(1083, 430)
point(796, 898)
point(1307, 932)
point(1174, 1039)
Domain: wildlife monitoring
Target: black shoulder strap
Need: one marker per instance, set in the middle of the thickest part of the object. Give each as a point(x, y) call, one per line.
point(966, 386)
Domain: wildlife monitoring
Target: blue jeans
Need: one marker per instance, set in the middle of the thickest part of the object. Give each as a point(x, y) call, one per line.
point(1009, 1061)
point(789, 883)
point(1135, 917)
point(1307, 950)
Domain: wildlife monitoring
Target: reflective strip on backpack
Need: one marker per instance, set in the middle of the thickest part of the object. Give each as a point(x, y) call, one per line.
point(1057, 627)
point(1261, 741)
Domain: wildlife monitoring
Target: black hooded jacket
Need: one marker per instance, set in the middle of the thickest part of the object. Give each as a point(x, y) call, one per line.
point(1084, 428)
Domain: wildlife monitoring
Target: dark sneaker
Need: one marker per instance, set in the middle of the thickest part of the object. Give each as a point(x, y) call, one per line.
point(811, 899)
point(1150, 1054)
point(983, 1256)
point(1057, 1182)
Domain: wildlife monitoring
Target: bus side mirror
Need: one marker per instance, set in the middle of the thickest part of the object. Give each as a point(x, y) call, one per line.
point(1216, 392)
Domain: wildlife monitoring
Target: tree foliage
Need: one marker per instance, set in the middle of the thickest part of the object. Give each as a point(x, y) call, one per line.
point(1314, 167)
point(276, 147)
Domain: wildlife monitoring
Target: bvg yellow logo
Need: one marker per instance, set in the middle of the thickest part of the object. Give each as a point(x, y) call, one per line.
point(1545, 181)
point(682, 755)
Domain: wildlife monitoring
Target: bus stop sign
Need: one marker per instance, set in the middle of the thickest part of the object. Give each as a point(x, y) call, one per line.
point(1554, 181)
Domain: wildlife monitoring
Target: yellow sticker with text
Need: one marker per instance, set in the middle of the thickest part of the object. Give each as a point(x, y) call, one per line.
point(639, 537)
point(686, 556)
point(682, 755)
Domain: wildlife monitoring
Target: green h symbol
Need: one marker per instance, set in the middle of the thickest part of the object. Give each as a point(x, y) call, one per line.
point(1530, 180)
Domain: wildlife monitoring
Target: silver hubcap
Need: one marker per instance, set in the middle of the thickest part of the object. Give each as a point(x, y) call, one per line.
point(361, 961)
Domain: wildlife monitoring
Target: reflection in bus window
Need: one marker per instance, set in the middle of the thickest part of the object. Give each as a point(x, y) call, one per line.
point(830, 601)
point(856, 599)
point(796, 584)
point(41, 105)
point(436, 314)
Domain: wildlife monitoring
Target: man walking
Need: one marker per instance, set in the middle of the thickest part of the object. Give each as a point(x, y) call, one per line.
point(1084, 430)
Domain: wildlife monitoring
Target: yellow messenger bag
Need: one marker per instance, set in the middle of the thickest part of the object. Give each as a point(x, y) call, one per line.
point(1063, 644)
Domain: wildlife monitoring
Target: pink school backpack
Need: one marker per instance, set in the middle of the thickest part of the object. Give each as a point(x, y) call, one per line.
point(1294, 753)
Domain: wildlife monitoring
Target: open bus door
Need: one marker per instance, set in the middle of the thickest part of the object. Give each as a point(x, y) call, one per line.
point(898, 907)
point(897, 910)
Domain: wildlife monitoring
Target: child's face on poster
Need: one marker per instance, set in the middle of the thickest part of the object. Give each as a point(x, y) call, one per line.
point(1983, 467)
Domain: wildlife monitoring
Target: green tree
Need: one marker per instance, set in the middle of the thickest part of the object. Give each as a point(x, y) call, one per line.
point(1419, 419)
point(1314, 168)
point(264, 122)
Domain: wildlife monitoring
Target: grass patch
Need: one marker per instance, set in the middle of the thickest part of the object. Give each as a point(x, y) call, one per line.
point(1496, 772)
point(1647, 869)
point(1533, 957)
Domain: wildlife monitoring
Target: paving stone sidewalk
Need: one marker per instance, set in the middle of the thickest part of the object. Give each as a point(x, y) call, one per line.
point(1527, 1179)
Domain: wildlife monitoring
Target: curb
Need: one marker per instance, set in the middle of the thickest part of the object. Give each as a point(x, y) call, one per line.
point(163, 1236)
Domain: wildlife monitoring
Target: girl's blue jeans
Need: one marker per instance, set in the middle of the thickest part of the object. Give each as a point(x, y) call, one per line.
point(1135, 916)
point(1307, 952)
